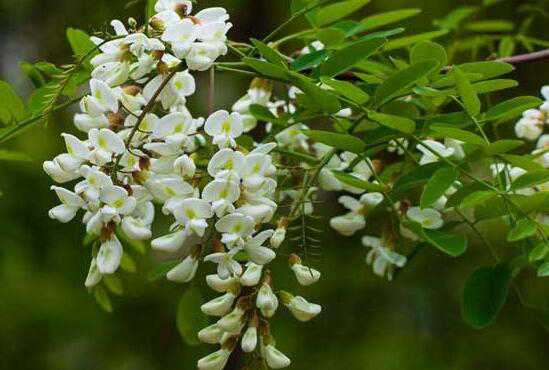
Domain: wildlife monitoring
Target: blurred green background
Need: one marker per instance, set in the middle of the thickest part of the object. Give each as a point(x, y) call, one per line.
point(49, 321)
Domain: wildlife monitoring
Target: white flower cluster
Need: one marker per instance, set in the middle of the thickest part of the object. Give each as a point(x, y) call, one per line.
point(532, 124)
point(143, 147)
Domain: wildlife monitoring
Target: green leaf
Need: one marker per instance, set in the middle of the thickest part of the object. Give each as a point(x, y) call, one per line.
point(538, 252)
point(497, 207)
point(269, 53)
point(383, 19)
point(8, 155)
point(416, 177)
point(403, 80)
point(506, 47)
point(456, 17)
point(32, 73)
point(310, 60)
point(12, 109)
point(339, 141)
point(160, 270)
point(476, 198)
point(492, 25)
point(410, 40)
point(262, 113)
point(317, 99)
point(357, 183)
point(397, 123)
point(334, 12)
point(347, 89)
point(344, 59)
point(451, 244)
point(331, 37)
point(458, 134)
point(128, 264)
point(267, 69)
point(512, 108)
point(113, 283)
point(484, 295)
point(437, 185)
point(102, 298)
point(465, 90)
point(503, 146)
point(487, 69)
point(149, 8)
point(81, 44)
point(524, 228)
point(530, 179)
point(522, 161)
point(543, 270)
point(190, 319)
point(428, 50)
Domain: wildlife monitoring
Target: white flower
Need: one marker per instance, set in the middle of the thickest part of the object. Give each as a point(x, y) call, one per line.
point(224, 128)
point(530, 127)
point(185, 271)
point(266, 301)
point(171, 242)
point(348, 224)
point(235, 227)
point(222, 194)
point(94, 276)
point(249, 339)
point(201, 56)
point(184, 166)
point(313, 46)
point(428, 218)
point(226, 164)
point(305, 275)
point(226, 265)
point(118, 200)
point(436, 147)
point(398, 146)
point(382, 258)
point(57, 173)
point(77, 154)
point(275, 359)
point(211, 334)
point(109, 255)
point(209, 15)
point(181, 7)
point(193, 213)
point(219, 306)
point(303, 310)
point(233, 322)
point(71, 203)
point(278, 237)
point(105, 143)
point(181, 36)
point(138, 225)
point(221, 285)
point(254, 247)
point(251, 275)
point(256, 167)
point(214, 361)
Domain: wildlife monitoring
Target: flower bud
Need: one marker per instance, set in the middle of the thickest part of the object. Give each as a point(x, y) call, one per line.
point(211, 334)
point(184, 166)
point(278, 237)
point(219, 306)
point(94, 276)
point(232, 323)
point(214, 361)
point(249, 340)
point(222, 285)
point(275, 359)
point(266, 301)
point(183, 272)
point(304, 275)
point(252, 275)
point(300, 308)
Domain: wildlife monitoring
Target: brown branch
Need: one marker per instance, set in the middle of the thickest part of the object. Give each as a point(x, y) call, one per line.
point(525, 58)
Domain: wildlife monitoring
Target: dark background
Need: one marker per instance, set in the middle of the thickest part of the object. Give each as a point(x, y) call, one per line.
point(49, 321)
